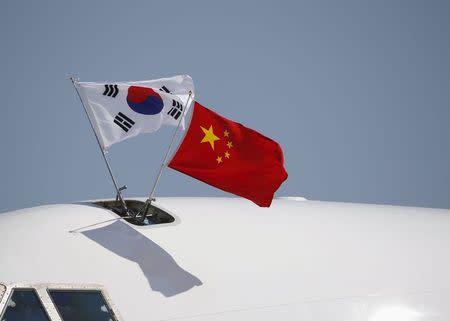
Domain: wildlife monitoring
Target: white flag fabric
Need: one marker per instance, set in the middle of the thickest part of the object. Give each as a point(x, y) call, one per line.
point(121, 110)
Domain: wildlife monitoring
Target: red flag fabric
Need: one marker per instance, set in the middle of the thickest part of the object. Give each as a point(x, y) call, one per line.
point(230, 156)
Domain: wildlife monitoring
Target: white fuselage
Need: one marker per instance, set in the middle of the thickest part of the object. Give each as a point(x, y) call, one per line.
point(227, 259)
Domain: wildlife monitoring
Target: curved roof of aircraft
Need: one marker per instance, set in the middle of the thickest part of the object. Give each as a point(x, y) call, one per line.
point(225, 258)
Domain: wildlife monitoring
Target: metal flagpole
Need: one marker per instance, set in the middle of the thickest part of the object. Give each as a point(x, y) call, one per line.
point(118, 190)
point(148, 202)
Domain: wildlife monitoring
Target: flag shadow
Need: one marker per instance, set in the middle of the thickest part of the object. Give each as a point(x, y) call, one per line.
point(163, 273)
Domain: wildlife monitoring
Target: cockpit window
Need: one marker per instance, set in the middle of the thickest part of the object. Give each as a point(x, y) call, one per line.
point(86, 305)
point(24, 305)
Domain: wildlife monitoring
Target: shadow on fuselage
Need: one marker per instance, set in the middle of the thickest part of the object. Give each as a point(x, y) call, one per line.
point(159, 267)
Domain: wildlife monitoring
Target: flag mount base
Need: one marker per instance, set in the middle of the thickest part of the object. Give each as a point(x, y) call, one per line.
point(147, 210)
point(153, 215)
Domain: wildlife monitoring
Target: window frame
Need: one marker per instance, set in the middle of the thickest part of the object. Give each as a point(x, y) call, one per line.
point(110, 309)
point(41, 290)
point(3, 293)
point(8, 295)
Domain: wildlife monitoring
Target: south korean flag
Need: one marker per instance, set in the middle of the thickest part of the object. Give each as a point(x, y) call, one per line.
point(120, 110)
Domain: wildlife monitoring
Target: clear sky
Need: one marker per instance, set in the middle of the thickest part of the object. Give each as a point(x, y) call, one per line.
point(356, 92)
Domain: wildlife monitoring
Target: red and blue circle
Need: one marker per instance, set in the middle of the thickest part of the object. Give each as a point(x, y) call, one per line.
point(144, 100)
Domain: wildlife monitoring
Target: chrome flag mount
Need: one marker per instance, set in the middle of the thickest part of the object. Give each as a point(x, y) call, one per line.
point(121, 110)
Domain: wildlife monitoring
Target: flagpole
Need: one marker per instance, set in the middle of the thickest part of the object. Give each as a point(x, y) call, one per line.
point(118, 190)
point(148, 202)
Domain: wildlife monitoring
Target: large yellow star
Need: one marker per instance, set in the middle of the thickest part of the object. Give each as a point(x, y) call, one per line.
point(209, 136)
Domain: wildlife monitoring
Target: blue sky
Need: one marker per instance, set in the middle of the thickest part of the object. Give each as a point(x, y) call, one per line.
point(357, 93)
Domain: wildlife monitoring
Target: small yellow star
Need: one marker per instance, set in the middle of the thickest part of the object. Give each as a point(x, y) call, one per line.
point(230, 144)
point(219, 159)
point(209, 136)
point(226, 133)
point(227, 155)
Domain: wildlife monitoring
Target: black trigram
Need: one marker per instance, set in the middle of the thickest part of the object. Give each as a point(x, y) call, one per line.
point(111, 91)
point(165, 89)
point(123, 122)
point(176, 109)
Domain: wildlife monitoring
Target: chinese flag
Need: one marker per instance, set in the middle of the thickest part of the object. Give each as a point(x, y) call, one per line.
point(230, 156)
